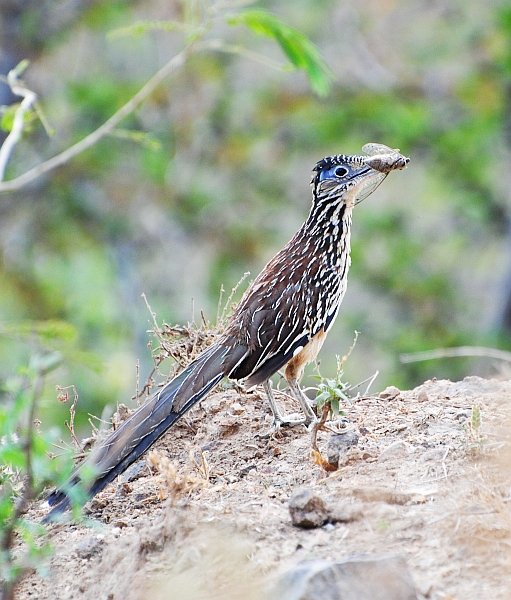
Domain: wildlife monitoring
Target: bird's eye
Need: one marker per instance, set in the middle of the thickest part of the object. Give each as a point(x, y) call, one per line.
point(340, 171)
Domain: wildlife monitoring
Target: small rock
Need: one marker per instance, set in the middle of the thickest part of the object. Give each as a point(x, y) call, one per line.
point(211, 446)
point(124, 489)
point(338, 444)
point(98, 503)
point(357, 578)
point(307, 510)
point(435, 454)
point(141, 496)
point(422, 396)
point(88, 547)
point(390, 393)
point(134, 472)
point(237, 409)
point(214, 405)
point(228, 425)
point(246, 470)
point(398, 449)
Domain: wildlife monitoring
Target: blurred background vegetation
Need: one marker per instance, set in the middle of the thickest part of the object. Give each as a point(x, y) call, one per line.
point(209, 177)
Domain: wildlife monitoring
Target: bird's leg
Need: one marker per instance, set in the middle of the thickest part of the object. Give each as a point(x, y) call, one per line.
point(297, 393)
point(294, 371)
point(278, 418)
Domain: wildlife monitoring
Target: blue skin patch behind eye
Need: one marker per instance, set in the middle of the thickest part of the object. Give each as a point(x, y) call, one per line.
point(330, 173)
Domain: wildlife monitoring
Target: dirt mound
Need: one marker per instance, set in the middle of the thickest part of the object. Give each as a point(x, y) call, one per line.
point(206, 516)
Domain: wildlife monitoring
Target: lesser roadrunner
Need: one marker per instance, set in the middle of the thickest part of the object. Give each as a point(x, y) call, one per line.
point(282, 319)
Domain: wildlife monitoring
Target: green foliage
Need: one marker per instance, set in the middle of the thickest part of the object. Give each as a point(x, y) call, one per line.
point(47, 331)
point(101, 99)
point(7, 118)
point(475, 417)
point(27, 466)
point(333, 392)
point(28, 462)
point(299, 50)
point(101, 14)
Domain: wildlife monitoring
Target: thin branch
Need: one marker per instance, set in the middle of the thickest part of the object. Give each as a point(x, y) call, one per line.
point(157, 329)
point(369, 380)
point(27, 495)
point(108, 126)
point(456, 352)
point(29, 98)
point(222, 46)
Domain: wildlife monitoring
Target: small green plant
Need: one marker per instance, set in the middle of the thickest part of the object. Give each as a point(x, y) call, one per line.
point(27, 461)
point(25, 467)
point(332, 392)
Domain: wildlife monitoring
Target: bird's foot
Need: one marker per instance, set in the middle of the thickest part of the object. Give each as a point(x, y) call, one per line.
point(338, 425)
point(281, 422)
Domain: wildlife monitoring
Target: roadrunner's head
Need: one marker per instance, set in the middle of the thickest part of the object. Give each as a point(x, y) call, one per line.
point(349, 179)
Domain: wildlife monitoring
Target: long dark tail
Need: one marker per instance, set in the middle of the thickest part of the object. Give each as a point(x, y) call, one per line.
point(138, 433)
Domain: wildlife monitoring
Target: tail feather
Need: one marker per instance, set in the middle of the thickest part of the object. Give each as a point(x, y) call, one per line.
point(146, 425)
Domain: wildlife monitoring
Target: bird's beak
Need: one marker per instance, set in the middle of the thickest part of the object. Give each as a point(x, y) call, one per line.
point(367, 180)
point(380, 162)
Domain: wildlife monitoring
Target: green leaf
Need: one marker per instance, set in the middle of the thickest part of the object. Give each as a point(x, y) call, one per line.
point(8, 114)
point(322, 398)
point(7, 119)
point(6, 507)
point(13, 456)
point(21, 67)
point(300, 51)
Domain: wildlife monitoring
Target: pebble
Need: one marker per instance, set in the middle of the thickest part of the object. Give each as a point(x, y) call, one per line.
point(422, 396)
point(89, 547)
point(339, 444)
point(237, 409)
point(390, 393)
point(356, 578)
point(398, 449)
point(135, 471)
point(307, 509)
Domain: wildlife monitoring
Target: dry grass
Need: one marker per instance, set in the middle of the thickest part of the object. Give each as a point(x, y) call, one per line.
point(178, 482)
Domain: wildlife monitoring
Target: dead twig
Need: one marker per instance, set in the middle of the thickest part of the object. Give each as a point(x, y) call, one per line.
point(63, 396)
point(18, 88)
point(460, 351)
